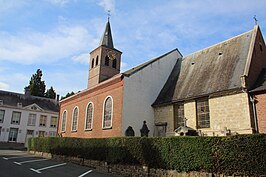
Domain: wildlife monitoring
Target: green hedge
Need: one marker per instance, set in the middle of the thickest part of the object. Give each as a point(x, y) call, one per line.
point(239, 155)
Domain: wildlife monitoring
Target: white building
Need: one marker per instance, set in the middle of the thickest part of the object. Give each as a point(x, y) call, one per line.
point(23, 116)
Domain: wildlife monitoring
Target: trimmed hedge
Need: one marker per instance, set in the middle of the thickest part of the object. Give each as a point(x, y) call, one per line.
point(239, 155)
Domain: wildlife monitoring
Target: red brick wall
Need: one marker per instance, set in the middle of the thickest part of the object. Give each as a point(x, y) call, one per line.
point(258, 61)
point(261, 112)
point(96, 95)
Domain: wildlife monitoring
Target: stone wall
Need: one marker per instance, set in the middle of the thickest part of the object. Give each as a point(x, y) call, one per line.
point(165, 114)
point(231, 112)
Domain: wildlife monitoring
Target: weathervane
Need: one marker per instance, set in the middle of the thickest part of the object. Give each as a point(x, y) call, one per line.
point(109, 14)
point(255, 19)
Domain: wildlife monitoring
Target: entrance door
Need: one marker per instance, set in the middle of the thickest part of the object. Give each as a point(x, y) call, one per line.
point(29, 135)
point(13, 134)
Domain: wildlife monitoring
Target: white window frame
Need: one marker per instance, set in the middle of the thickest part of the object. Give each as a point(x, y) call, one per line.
point(30, 123)
point(4, 112)
point(52, 133)
point(40, 132)
point(54, 125)
point(73, 119)
point(45, 121)
point(65, 111)
point(85, 125)
point(18, 120)
point(112, 112)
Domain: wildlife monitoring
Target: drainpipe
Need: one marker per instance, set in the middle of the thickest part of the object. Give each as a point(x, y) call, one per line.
point(252, 99)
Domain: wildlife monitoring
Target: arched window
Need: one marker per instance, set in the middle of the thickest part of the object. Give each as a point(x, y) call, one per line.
point(114, 63)
point(92, 63)
point(64, 118)
point(75, 119)
point(97, 60)
point(108, 111)
point(107, 61)
point(89, 116)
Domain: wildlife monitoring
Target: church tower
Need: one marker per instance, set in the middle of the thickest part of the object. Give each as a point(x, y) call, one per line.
point(105, 60)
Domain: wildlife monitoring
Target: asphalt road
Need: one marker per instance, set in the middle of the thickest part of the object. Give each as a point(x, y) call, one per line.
point(14, 163)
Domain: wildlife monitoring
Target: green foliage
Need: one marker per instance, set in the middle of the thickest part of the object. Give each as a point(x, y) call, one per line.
point(234, 155)
point(242, 154)
point(36, 85)
point(50, 93)
point(67, 95)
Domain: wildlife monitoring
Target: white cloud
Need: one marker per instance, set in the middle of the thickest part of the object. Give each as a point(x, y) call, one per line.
point(4, 86)
point(83, 58)
point(107, 5)
point(59, 2)
point(124, 66)
point(10, 5)
point(30, 47)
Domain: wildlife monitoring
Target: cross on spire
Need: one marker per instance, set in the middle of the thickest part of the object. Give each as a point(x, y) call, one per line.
point(255, 19)
point(108, 14)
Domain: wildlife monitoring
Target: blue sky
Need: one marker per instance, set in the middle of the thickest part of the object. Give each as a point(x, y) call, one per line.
point(56, 36)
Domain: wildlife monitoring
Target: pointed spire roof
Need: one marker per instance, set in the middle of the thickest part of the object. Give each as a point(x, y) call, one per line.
point(106, 39)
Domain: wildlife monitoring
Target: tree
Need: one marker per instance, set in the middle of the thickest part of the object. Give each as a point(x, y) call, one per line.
point(67, 95)
point(50, 93)
point(36, 85)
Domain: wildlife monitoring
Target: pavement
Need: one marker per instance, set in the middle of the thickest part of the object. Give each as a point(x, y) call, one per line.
point(17, 163)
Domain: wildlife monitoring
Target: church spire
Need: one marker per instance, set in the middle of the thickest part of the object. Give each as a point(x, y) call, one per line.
point(106, 39)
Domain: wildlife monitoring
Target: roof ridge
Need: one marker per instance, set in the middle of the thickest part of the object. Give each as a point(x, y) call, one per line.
point(218, 43)
point(143, 65)
point(23, 95)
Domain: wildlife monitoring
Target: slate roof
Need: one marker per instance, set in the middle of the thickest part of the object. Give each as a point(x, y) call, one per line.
point(11, 99)
point(260, 84)
point(141, 66)
point(214, 69)
point(107, 39)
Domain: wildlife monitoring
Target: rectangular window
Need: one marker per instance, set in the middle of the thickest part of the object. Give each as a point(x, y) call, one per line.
point(43, 119)
point(52, 134)
point(41, 133)
point(53, 122)
point(15, 117)
point(179, 115)
point(32, 120)
point(2, 116)
point(203, 114)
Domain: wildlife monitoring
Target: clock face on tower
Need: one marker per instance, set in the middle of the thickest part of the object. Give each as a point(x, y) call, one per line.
point(111, 55)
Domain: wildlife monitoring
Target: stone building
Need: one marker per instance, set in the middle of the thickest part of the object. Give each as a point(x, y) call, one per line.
point(213, 90)
point(23, 116)
point(115, 101)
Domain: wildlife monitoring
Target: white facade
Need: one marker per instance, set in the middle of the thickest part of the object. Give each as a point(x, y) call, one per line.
point(142, 88)
point(18, 131)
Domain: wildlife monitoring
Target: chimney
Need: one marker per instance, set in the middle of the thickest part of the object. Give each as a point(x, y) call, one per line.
point(57, 97)
point(27, 92)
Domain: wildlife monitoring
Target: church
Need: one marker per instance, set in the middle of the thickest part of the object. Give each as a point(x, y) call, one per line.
point(115, 101)
point(216, 91)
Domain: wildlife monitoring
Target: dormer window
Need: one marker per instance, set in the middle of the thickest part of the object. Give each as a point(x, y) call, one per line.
point(34, 108)
point(19, 105)
point(1, 102)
